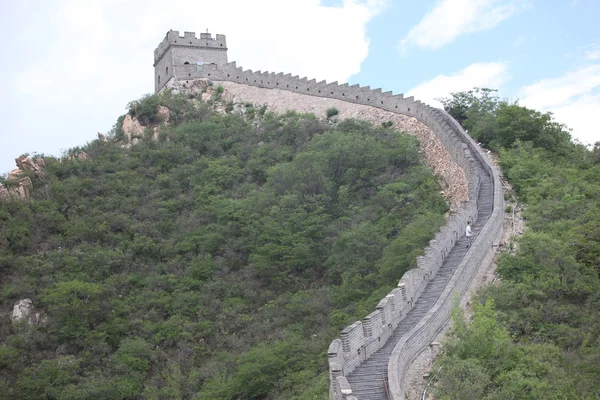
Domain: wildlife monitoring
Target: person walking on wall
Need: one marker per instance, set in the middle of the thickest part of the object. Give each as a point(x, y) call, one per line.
point(468, 234)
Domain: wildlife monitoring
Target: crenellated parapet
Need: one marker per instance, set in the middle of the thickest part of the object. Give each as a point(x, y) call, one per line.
point(270, 80)
point(189, 39)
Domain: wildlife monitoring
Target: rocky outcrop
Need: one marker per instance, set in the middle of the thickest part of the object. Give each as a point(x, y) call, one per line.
point(164, 113)
point(81, 155)
point(19, 189)
point(18, 183)
point(134, 130)
point(25, 164)
point(206, 91)
point(23, 310)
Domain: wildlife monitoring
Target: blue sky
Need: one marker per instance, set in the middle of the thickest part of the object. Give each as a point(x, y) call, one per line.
point(70, 67)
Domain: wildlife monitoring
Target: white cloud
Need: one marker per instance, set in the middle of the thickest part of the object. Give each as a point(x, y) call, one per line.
point(593, 53)
point(97, 55)
point(450, 19)
point(573, 98)
point(490, 75)
point(96, 37)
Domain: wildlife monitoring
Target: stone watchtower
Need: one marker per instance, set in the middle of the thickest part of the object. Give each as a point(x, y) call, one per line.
point(177, 56)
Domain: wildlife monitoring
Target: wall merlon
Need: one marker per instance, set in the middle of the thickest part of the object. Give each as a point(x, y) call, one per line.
point(369, 323)
point(334, 348)
point(348, 330)
point(345, 388)
point(189, 39)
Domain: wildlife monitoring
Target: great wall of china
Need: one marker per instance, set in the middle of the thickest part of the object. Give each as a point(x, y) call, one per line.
point(419, 307)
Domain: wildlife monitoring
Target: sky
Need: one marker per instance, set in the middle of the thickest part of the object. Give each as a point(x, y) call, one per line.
point(70, 67)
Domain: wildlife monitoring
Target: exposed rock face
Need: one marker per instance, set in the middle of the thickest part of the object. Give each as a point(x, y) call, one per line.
point(204, 90)
point(133, 129)
point(19, 186)
point(164, 113)
point(82, 155)
point(26, 164)
point(24, 310)
point(195, 87)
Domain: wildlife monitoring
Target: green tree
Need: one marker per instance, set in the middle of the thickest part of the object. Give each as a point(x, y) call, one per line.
point(74, 307)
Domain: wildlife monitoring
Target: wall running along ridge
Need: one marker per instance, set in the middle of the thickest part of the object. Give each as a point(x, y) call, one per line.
point(362, 338)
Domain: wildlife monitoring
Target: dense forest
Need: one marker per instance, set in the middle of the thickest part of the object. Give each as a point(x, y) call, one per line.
point(535, 334)
point(219, 261)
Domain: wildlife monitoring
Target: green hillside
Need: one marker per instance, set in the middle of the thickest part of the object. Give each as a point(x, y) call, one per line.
point(536, 332)
point(217, 262)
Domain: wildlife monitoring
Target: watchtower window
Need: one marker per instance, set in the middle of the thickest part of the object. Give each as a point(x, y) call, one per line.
point(158, 80)
point(166, 70)
point(186, 63)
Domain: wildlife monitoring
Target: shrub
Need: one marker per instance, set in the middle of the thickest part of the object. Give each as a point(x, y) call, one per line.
point(332, 112)
point(145, 109)
point(219, 94)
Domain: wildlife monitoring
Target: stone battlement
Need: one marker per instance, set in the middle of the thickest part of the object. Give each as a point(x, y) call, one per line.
point(189, 39)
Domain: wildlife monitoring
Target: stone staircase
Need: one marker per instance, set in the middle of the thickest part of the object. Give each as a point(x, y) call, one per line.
point(369, 380)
